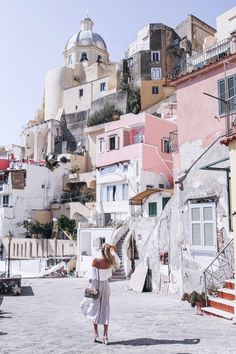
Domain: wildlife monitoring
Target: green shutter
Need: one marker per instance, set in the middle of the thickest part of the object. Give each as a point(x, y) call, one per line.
point(165, 201)
point(152, 209)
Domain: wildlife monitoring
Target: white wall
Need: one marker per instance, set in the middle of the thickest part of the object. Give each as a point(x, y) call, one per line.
point(56, 81)
point(121, 207)
point(22, 202)
point(154, 198)
point(91, 92)
point(89, 237)
point(226, 23)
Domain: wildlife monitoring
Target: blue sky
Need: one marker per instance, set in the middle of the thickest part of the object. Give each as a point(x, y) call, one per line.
point(33, 34)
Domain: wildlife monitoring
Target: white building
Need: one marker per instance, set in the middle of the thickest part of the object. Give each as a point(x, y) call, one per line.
point(25, 192)
point(70, 92)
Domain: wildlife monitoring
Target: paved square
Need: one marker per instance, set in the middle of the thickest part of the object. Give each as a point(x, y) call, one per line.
point(51, 322)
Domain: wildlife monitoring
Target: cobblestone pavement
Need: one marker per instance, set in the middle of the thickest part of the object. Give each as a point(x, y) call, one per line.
point(50, 322)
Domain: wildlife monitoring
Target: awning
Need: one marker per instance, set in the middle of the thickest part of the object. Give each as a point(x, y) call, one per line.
point(140, 198)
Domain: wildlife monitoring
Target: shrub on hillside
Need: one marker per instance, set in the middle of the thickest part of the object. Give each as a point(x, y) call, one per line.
point(106, 114)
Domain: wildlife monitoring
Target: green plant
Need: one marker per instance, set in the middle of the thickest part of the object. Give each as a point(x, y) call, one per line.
point(108, 113)
point(74, 169)
point(194, 297)
point(133, 94)
point(66, 224)
point(38, 230)
point(51, 162)
point(87, 194)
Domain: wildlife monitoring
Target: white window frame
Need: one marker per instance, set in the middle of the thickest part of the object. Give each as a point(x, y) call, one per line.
point(154, 75)
point(8, 200)
point(116, 142)
point(202, 222)
point(101, 144)
point(155, 54)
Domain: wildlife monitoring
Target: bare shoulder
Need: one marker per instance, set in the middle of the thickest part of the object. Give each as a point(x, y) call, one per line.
point(95, 262)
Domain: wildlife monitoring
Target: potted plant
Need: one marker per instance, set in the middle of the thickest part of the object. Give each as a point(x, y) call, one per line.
point(195, 299)
point(73, 172)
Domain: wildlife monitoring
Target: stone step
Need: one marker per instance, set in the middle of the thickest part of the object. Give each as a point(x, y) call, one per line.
point(230, 284)
point(119, 271)
point(222, 304)
point(211, 311)
point(226, 293)
point(121, 277)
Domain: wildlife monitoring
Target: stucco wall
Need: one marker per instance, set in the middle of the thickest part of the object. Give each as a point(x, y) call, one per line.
point(56, 81)
point(199, 111)
point(226, 23)
point(42, 187)
point(185, 265)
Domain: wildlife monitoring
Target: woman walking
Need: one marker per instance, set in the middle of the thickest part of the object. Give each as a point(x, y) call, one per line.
point(98, 310)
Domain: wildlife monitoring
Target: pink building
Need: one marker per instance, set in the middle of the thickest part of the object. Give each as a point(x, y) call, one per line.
point(132, 154)
point(201, 118)
point(200, 211)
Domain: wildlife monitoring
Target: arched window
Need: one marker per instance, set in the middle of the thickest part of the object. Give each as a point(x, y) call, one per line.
point(69, 60)
point(99, 59)
point(83, 56)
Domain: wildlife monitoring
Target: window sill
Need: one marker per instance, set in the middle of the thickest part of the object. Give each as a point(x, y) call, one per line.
point(202, 252)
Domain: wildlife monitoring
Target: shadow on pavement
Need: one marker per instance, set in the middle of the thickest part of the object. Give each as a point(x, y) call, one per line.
point(27, 291)
point(3, 333)
point(5, 316)
point(150, 341)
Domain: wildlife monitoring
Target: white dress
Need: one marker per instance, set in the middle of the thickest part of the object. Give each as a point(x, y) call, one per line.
point(98, 310)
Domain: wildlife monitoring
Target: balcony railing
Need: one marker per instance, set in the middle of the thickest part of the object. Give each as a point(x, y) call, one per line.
point(210, 55)
point(174, 145)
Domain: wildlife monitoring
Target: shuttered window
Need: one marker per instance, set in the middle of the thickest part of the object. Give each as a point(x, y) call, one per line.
point(152, 209)
point(226, 90)
point(203, 226)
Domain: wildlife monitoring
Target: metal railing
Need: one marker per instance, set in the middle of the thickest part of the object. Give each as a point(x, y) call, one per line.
point(211, 54)
point(220, 269)
point(174, 144)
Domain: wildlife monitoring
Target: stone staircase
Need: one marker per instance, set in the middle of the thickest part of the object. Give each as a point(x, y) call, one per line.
point(222, 305)
point(119, 274)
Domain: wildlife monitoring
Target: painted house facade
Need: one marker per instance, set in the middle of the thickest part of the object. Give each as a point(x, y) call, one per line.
point(197, 223)
point(133, 154)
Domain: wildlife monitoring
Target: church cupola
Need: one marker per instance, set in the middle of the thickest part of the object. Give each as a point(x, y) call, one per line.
point(86, 24)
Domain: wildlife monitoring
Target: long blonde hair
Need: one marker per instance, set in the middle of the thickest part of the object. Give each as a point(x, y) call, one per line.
point(107, 255)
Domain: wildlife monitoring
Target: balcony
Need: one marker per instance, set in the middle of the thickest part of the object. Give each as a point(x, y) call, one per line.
point(210, 55)
point(88, 177)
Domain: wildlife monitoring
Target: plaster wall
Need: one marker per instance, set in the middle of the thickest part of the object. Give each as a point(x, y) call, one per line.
point(42, 187)
point(232, 155)
point(56, 81)
point(198, 112)
point(226, 23)
point(89, 244)
point(154, 198)
point(185, 264)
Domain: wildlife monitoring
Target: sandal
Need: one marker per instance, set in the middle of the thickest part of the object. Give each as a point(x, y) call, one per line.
point(105, 340)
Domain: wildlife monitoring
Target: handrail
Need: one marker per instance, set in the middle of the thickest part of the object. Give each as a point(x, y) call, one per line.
point(217, 256)
point(220, 269)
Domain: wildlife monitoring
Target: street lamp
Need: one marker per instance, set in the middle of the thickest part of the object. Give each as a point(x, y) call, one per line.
point(9, 238)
